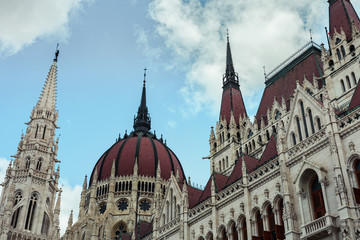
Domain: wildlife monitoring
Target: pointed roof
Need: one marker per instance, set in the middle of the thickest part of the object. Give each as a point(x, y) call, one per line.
point(220, 183)
point(281, 82)
point(270, 151)
point(232, 100)
point(341, 16)
point(47, 100)
point(355, 100)
point(236, 174)
point(142, 121)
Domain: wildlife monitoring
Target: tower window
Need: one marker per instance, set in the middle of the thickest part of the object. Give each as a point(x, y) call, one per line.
point(15, 217)
point(343, 51)
point(38, 165)
point(45, 224)
point(27, 164)
point(348, 82)
point(31, 211)
point(342, 85)
point(317, 198)
point(353, 77)
point(338, 54)
point(18, 197)
point(44, 132)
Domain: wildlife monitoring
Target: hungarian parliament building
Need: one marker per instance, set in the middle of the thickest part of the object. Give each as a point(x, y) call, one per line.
point(293, 172)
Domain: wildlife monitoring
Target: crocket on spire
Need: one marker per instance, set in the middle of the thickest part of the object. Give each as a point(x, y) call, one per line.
point(47, 100)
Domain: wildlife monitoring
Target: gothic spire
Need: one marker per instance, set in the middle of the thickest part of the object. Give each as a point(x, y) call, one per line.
point(342, 16)
point(142, 121)
point(230, 77)
point(232, 101)
point(47, 100)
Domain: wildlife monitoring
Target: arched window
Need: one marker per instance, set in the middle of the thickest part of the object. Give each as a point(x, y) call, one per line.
point(164, 219)
point(357, 176)
point(15, 217)
point(18, 197)
point(27, 164)
point(31, 211)
point(317, 198)
point(279, 227)
point(298, 127)
point(311, 121)
point(246, 149)
point(44, 132)
point(223, 163)
point(304, 119)
point(45, 224)
point(342, 85)
point(343, 51)
point(223, 234)
point(271, 223)
point(39, 163)
point(353, 77)
point(267, 135)
point(348, 82)
point(277, 114)
point(293, 138)
point(174, 204)
point(318, 123)
point(250, 134)
point(227, 161)
point(37, 129)
point(338, 54)
point(220, 166)
point(243, 229)
point(167, 211)
point(234, 232)
point(228, 136)
point(253, 143)
point(259, 225)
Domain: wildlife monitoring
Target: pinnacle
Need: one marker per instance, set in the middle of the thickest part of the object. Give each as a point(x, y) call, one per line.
point(47, 100)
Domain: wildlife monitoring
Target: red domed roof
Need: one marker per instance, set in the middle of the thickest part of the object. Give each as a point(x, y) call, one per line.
point(149, 152)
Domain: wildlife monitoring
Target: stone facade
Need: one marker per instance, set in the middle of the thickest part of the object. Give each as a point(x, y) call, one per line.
point(291, 173)
point(30, 200)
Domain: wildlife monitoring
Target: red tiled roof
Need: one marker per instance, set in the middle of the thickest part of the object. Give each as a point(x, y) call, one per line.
point(149, 152)
point(145, 229)
point(232, 101)
point(194, 195)
point(220, 183)
point(236, 174)
point(341, 13)
point(269, 152)
point(285, 85)
point(355, 101)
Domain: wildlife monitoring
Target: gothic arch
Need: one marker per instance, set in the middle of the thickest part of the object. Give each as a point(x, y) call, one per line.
point(209, 236)
point(265, 205)
point(118, 229)
point(222, 232)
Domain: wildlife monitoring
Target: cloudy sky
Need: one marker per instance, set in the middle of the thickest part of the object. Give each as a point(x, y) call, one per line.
point(104, 47)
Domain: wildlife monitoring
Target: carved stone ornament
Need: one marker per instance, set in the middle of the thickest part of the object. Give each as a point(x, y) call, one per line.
point(242, 207)
point(352, 146)
point(255, 200)
point(266, 193)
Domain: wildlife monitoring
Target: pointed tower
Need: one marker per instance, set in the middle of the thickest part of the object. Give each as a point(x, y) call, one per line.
point(342, 17)
point(232, 113)
point(33, 180)
point(232, 100)
point(142, 121)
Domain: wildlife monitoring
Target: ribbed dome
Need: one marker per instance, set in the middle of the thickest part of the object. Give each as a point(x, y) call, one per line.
point(147, 150)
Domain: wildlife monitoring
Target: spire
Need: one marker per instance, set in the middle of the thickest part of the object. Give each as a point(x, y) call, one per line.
point(142, 121)
point(47, 99)
point(70, 221)
point(230, 77)
point(342, 16)
point(232, 100)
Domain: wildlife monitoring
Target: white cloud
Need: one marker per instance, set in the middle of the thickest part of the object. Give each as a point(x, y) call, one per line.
point(142, 39)
point(23, 22)
point(172, 123)
point(70, 200)
point(4, 163)
point(262, 33)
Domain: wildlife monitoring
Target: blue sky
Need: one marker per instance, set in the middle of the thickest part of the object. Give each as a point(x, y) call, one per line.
point(104, 46)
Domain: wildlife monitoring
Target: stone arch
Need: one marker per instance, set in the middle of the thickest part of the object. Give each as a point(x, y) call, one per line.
point(118, 229)
point(222, 233)
point(232, 229)
point(209, 236)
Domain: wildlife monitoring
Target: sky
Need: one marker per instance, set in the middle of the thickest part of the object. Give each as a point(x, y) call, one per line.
point(104, 47)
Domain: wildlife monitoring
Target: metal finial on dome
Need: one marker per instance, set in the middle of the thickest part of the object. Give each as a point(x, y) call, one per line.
point(142, 122)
